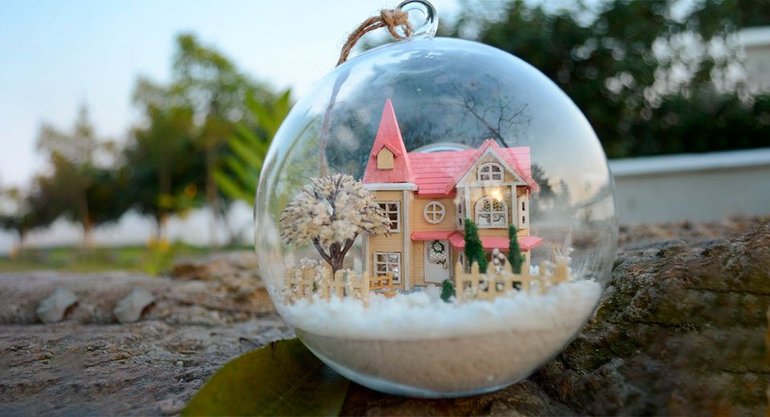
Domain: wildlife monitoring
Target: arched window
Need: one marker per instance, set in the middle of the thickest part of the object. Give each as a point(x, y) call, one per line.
point(434, 212)
point(491, 213)
point(490, 172)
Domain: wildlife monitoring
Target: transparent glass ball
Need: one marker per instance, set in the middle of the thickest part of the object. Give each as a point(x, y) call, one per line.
point(437, 135)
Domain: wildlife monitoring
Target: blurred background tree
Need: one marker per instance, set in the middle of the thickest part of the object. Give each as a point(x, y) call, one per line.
point(162, 173)
point(652, 77)
point(196, 112)
point(239, 175)
point(76, 186)
point(24, 211)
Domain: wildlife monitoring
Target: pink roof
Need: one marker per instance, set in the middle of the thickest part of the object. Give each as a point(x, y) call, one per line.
point(497, 242)
point(389, 136)
point(435, 173)
point(530, 242)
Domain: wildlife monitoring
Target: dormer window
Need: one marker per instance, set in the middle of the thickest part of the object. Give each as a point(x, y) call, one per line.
point(385, 159)
point(490, 172)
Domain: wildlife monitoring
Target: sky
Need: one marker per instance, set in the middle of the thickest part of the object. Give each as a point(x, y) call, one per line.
point(58, 55)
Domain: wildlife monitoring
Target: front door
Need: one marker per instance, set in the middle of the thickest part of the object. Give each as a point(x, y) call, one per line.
point(437, 261)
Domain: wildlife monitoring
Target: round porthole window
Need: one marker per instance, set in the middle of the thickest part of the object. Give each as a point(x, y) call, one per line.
point(434, 212)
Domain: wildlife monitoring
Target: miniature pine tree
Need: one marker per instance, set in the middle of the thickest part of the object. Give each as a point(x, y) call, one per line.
point(474, 251)
point(515, 258)
point(447, 290)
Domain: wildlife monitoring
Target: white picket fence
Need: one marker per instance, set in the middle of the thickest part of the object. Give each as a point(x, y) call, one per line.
point(302, 282)
point(475, 285)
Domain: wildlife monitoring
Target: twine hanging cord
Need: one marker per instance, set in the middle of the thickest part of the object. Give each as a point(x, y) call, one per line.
point(388, 18)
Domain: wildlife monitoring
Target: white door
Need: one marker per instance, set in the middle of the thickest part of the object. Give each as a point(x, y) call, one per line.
point(437, 259)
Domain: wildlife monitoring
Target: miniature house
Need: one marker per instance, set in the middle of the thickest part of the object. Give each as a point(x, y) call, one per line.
point(428, 195)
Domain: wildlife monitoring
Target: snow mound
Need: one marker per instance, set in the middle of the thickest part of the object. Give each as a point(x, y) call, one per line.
point(423, 315)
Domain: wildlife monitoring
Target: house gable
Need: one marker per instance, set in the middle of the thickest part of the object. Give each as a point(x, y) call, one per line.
point(469, 176)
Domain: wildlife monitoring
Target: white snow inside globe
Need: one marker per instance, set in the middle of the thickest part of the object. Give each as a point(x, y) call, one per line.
point(435, 219)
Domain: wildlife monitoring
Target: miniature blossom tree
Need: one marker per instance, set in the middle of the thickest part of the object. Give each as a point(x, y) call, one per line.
point(330, 213)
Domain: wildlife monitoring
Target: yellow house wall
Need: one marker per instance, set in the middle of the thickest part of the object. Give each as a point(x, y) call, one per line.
point(412, 252)
point(418, 263)
point(388, 195)
point(418, 218)
point(395, 241)
point(521, 193)
point(382, 244)
point(419, 224)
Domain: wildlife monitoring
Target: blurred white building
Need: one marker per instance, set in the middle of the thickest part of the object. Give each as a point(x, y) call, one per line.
point(699, 188)
point(756, 47)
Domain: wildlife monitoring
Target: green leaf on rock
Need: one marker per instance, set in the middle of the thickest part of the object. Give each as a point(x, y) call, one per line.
point(281, 379)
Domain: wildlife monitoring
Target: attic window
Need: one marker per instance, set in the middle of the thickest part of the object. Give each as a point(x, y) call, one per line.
point(385, 159)
point(490, 172)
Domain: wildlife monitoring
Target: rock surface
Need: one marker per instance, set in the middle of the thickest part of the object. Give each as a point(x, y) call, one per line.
point(89, 364)
point(681, 330)
point(55, 307)
point(130, 309)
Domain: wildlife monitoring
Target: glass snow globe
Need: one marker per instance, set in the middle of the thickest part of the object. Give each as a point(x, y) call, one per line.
point(436, 218)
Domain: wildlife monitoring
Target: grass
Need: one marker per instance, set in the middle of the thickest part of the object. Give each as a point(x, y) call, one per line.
point(155, 258)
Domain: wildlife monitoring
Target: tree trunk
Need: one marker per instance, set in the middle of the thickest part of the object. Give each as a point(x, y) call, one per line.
point(337, 253)
point(85, 216)
point(88, 238)
point(211, 198)
point(161, 220)
point(164, 186)
point(336, 264)
point(16, 249)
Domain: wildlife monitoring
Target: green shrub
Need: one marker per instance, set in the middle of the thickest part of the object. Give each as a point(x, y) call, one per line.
point(447, 290)
point(474, 251)
point(515, 258)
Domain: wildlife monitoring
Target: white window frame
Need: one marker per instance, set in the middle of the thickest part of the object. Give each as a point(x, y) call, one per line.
point(434, 212)
point(490, 171)
point(388, 264)
point(397, 229)
point(503, 223)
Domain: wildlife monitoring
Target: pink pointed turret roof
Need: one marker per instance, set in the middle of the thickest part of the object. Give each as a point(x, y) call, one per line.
point(388, 136)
